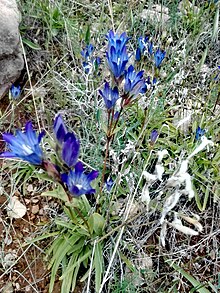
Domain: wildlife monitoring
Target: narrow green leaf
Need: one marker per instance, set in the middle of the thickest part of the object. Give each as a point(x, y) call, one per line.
point(78, 262)
point(67, 282)
point(206, 197)
point(31, 44)
point(216, 25)
point(98, 264)
point(42, 237)
point(199, 287)
point(87, 36)
point(59, 192)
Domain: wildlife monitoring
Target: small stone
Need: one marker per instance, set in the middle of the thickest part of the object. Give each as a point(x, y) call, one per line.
point(35, 209)
point(35, 200)
point(41, 212)
point(28, 288)
point(11, 59)
point(30, 188)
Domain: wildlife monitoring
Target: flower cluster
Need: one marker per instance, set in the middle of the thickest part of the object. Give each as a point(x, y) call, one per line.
point(117, 59)
point(89, 61)
point(145, 47)
point(26, 146)
point(117, 56)
point(77, 181)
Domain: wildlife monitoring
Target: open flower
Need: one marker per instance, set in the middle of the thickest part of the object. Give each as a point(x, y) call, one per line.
point(24, 145)
point(70, 149)
point(116, 54)
point(159, 55)
point(109, 95)
point(134, 82)
point(78, 182)
point(59, 129)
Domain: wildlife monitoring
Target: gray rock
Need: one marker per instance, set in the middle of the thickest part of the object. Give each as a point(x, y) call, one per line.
point(11, 60)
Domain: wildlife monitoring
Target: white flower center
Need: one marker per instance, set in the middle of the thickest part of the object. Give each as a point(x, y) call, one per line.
point(27, 149)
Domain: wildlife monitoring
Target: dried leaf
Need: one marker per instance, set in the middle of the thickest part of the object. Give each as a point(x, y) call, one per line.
point(159, 171)
point(145, 196)
point(169, 204)
point(163, 233)
point(193, 221)
point(149, 177)
point(177, 224)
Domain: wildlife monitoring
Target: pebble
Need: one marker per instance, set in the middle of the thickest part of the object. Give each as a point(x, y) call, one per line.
point(35, 209)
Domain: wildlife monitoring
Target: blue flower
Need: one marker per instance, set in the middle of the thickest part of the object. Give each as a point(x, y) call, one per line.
point(199, 133)
point(153, 136)
point(70, 149)
point(138, 54)
point(150, 48)
point(87, 52)
point(109, 95)
point(78, 182)
point(24, 145)
point(116, 54)
point(89, 60)
point(134, 82)
point(15, 91)
point(109, 183)
point(143, 45)
point(68, 142)
point(59, 129)
point(159, 55)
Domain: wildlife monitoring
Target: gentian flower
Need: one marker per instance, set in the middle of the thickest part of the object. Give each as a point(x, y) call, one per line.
point(70, 149)
point(89, 61)
point(159, 55)
point(199, 133)
point(15, 91)
point(150, 83)
point(142, 44)
point(24, 145)
point(68, 142)
point(87, 52)
point(153, 136)
point(109, 183)
point(78, 182)
point(134, 82)
point(109, 95)
point(116, 54)
point(59, 129)
point(150, 48)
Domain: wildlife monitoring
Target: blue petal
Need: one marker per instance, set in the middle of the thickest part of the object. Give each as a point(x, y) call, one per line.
point(92, 175)
point(70, 149)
